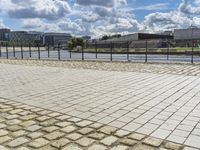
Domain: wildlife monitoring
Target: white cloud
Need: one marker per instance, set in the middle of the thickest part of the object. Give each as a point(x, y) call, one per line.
point(2, 25)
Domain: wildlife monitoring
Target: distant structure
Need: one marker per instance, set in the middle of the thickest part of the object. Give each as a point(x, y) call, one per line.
point(141, 36)
point(4, 35)
point(86, 38)
point(56, 38)
point(23, 37)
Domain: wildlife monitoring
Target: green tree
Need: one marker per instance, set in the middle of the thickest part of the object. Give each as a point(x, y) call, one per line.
point(74, 42)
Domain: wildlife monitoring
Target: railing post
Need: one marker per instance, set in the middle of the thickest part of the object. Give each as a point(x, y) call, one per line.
point(6, 50)
point(58, 51)
point(38, 51)
point(22, 54)
point(146, 51)
point(168, 50)
point(30, 50)
point(48, 49)
point(128, 51)
point(0, 49)
point(14, 51)
point(111, 51)
point(96, 49)
point(192, 58)
point(82, 50)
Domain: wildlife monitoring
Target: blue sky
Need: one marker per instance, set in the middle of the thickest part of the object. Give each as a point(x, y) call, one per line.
point(99, 17)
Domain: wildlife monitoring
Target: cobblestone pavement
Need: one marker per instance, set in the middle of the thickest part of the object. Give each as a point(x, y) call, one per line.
point(24, 127)
point(161, 104)
point(161, 68)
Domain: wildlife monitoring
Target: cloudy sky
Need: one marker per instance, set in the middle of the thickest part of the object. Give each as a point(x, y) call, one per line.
point(99, 17)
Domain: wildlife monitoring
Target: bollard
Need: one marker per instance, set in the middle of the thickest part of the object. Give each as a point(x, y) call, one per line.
point(111, 51)
point(192, 57)
point(82, 50)
point(22, 54)
point(128, 51)
point(30, 50)
point(14, 55)
point(38, 51)
point(48, 49)
point(0, 49)
point(146, 51)
point(7, 50)
point(58, 51)
point(96, 48)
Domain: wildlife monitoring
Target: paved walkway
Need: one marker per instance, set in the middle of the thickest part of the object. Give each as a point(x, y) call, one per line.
point(162, 105)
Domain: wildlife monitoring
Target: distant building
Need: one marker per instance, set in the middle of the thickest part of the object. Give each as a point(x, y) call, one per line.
point(141, 36)
point(4, 35)
point(86, 38)
point(56, 38)
point(23, 37)
point(187, 34)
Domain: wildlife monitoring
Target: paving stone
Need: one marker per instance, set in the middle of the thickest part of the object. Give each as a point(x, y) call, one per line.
point(13, 122)
point(108, 141)
point(85, 141)
point(85, 131)
point(28, 117)
point(128, 142)
point(74, 136)
point(173, 146)
point(54, 135)
point(97, 147)
point(96, 125)
point(23, 148)
point(3, 148)
point(19, 133)
point(120, 147)
point(33, 128)
point(144, 147)
point(60, 143)
point(136, 136)
point(17, 142)
point(4, 139)
point(153, 141)
point(97, 136)
point(35, 135)
point(38, 143)
point(42, 118)
point(107, 130)
point(48, 122)
point(122, 133)
point(50, 129)
point(3, 132)
point(68, 129)
point(189, 148)
point(54, 114)
point(63, 117)
point(14, 128)
point(72, 147)
point(83, 123)
point(27, 123)
point(63, 124)
point(2, 125)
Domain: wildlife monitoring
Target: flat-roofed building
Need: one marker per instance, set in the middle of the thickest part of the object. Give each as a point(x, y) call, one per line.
point(187, 34)
point(54, 39)
point(4, 35)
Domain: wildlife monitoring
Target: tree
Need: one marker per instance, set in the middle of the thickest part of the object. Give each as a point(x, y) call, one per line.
point(74, 42)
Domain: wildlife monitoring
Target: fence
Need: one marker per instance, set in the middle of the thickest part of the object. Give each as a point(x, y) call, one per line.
point(142, 51)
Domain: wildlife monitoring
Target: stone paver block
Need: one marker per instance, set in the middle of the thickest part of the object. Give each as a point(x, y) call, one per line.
point(144, 147)
point(42, 118)
point(3, 148)
point(120, 147)
point(97, 147)
point(33, 128)
point(85, 131)
point(63, 124)
point(60, 143)
point(122, 133)
point(74, 136)
point(83, 123)
point(17, 142)
point(2, 125)
point(50, 129)
point(137, 136)
point(153, 141)
point(54, 135)
point(68, 129)
point(128, 142)
point(173, 146)
point(108, 141)
point(4, 139)
point(107, 129)
point(38, 143)
point(72, 147)
point(19, 133)
point(97, 136)
point(35, 135)
point(85, 141)
point(27, 123)
point(3, 132)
